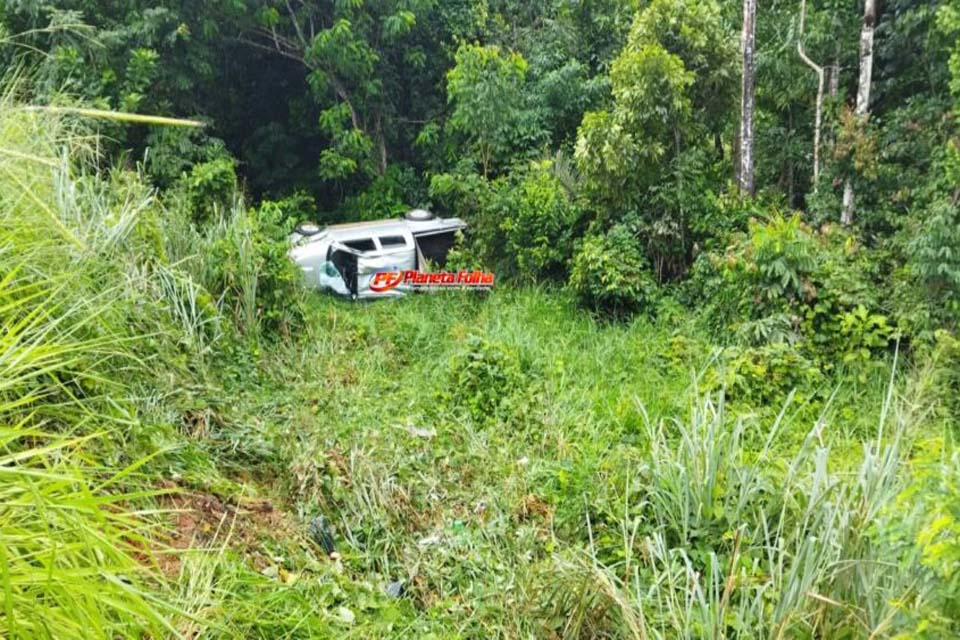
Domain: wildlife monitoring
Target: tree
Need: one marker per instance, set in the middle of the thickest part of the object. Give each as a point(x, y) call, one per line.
point(863, 94)
point(697, 33)
point(355, 54)
point(747, 42)
point(486, 89)
point(650, 158)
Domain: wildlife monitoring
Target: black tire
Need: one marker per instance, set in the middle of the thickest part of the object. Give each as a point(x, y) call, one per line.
point(307, 229)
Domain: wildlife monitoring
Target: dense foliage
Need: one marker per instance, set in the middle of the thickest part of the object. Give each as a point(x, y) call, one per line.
point(686, 411)
point(542, 121)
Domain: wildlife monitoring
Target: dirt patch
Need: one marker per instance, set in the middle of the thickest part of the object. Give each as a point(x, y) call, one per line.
point(201, 520)
point(534, 508)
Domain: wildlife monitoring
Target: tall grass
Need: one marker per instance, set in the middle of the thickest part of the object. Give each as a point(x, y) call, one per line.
point(585, 509)
point(107, 315)
point(719, 541)
point(73, 556)
point(75, 544)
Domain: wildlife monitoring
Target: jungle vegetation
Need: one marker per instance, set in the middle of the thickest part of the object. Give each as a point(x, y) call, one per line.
point(714, 393)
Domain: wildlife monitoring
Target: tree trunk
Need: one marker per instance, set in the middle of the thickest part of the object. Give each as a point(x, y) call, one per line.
point(747, 42)
point(791, 191)
point(381, 144)
point(735, 152)
point(863, 94)
point(818, 112)
point(834, 83)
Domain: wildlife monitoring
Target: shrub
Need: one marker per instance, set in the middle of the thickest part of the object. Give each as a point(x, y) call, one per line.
point(864, 334)
point(941, 358)
point(763, 375)
point(540, 227)
point(784, 282)
point(285, 213)
point(174, 151)
point(934, 261)
point(845, 279)
point(389, 196)
point(462, 256)
point(482, 377)
point(611, 274)
point(210, 188)
point(929, 510)
point(763, 272)
point(247, 266)
point(482, 203)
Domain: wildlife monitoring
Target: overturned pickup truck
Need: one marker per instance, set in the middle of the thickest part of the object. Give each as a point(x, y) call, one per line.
point(344, 258)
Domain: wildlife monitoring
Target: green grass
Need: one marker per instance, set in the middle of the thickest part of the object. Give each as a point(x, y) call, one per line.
point(548, 518)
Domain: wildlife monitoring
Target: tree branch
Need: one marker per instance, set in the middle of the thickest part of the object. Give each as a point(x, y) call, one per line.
point(296, 25)
point(292, 55)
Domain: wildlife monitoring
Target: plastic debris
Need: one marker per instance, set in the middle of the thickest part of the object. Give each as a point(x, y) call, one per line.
point(419, 432)
point(346, 615)
point(271, 571)
point(429, 540)
point(322, 534)
point(395, 589)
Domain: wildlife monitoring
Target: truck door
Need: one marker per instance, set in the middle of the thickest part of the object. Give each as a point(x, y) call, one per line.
point(435, 246)
point(395, 252)
point(345, 260)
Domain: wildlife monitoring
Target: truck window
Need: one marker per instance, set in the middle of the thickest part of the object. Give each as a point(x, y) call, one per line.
point(388, 242)
point(330, 270)
point(363, 244)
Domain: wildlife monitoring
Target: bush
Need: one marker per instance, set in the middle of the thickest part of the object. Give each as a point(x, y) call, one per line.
point(462, 256)
point(932, 501)
point(210, 188)
point(524, 223)
point(389, 196)
point(284, 214)
point(934, 261)
point(482, 377)
point(610, 273)
point(174, 151)
point(540, 227)
point(483, 203)
point(763, 272)
point(942, 363)
point(763, 376)
point(247, 266)
point(784, 282)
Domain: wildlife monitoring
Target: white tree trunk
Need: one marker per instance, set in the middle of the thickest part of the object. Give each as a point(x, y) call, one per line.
point(863, 93)
point(747, 41)
point(818, 112)
point(834, 78)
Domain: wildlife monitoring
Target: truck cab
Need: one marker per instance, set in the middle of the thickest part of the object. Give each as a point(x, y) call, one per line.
point(344, 258)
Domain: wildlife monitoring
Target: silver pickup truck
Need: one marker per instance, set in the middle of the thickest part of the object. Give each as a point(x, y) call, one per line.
point(344, 258)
